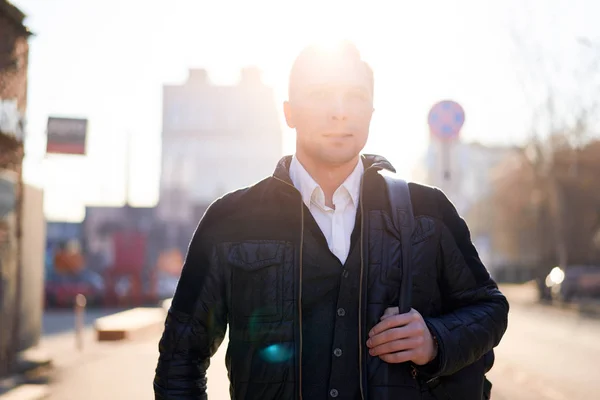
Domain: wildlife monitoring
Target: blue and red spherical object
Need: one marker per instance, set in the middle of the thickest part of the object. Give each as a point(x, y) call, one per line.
point(445, 120)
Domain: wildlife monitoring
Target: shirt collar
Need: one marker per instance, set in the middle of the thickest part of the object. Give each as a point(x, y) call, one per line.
point(306, 185)
point(302, 180)
point(352, 183)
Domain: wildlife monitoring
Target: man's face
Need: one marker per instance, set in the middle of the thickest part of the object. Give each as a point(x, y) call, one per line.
point(330, 106)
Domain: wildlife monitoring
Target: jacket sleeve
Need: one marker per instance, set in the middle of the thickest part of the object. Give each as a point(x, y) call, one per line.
point(476, 314)
point(195, 325)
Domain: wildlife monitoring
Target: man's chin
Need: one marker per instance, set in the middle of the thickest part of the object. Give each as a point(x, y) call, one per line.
point(338, 158)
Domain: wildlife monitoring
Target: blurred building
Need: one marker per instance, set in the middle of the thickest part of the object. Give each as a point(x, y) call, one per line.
point(21, 223)
point(14, 57)
point(470, 165)
point(215, 139)
point(469, 185)
point(122, 245)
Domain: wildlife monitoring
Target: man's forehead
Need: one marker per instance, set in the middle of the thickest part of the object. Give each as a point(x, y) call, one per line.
point(331, 71)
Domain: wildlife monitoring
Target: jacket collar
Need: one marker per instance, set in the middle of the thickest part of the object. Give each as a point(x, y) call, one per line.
point(370, 161)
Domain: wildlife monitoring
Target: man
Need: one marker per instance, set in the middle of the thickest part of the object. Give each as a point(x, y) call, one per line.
point(305, 269)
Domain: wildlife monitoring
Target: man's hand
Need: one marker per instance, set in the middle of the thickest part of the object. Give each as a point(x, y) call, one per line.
point(402, 337)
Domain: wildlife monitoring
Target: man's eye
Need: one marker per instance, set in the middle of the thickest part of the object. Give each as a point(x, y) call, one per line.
point(319, 94)
point(357, 95)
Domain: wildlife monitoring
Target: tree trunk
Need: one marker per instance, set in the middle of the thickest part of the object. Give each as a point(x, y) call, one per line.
point(556, 196)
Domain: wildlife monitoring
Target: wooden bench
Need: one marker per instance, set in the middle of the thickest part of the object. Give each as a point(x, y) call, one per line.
point(130, 324)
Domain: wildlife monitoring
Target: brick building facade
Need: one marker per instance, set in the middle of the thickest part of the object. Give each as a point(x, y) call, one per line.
point(14, 51)
point(14, 58)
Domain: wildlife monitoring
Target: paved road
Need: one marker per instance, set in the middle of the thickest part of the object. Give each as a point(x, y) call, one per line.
point(546, 354)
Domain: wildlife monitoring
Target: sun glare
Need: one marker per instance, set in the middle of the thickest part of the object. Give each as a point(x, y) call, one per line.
point(329, 43)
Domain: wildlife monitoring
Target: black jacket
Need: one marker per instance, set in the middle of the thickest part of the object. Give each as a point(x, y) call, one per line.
point(244, 268)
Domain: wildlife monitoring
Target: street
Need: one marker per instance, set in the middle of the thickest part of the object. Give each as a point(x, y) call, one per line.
point(224, 155)
point(547, 354)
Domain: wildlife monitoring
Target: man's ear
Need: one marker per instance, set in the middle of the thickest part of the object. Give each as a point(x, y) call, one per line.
point(289, 117)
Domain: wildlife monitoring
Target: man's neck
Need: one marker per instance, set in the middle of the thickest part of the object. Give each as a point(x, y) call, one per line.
point(328, 177)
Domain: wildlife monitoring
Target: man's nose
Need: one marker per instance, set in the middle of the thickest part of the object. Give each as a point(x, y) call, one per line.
point(339, 109)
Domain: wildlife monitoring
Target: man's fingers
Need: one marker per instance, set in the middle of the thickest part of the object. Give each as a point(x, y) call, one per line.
point(394, 321)
point(392, 334)
point(397, 345)
point(390, 322)
point(399, 357)
point(399, 338)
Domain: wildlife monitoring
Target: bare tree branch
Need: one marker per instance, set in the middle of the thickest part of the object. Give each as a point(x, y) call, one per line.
point(562, 94)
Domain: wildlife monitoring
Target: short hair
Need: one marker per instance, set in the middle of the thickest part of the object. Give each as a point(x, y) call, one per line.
point(344, 50)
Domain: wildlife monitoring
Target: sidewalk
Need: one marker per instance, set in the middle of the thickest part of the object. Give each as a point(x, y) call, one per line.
point(121, 370)
point(37, 365)
point(111, 370)
point(59, 347)
point(124, 371)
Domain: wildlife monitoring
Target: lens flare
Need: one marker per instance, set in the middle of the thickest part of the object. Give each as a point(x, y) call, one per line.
point(276, 353)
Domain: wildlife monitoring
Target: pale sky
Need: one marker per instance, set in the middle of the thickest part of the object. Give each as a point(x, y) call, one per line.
point(107, 61)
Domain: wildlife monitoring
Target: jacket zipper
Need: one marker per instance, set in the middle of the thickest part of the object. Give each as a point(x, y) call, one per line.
point(299, 289)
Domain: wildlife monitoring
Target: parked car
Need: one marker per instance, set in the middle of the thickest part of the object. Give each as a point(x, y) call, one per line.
point(574, 282)
point(60, 291)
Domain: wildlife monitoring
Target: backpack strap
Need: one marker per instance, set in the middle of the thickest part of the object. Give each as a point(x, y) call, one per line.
point(404, 222)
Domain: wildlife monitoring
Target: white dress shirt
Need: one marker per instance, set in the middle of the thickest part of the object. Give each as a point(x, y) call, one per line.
point(336, 223)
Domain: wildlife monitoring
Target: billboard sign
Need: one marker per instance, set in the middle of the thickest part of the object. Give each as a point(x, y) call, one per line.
point(66, 135)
